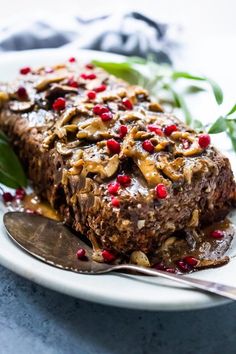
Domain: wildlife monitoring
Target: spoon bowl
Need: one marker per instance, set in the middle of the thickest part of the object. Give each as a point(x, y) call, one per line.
point(55, 244)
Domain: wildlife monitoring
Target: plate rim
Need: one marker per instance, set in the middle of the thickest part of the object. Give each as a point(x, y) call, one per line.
point(40, 275)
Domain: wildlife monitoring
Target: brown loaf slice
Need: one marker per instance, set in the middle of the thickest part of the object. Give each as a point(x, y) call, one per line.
point(66, 157)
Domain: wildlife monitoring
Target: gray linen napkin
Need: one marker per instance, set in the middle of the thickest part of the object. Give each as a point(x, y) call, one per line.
point(129, 34)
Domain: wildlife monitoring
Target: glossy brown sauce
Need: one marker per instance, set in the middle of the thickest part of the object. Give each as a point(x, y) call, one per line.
point(197, 243)
point(33, 203)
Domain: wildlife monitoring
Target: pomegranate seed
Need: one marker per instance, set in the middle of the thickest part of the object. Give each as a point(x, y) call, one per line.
point(113, 146)
point(104, 110)
point(89, 66)
point(190, 261)
point(84, 76)
point(26, 70)
point(127, 103)
point(148, 146)
point(106, 116)
point(159, 266)
point(91, 95)
point(154, 128)
point(123, 130)
point(20, 193)
point(91, 76)
point(108, 256)
point(115, 202)
point(124, 180)
point(59, 104)
point(113, 188)
point(170, 270)
point(22, 93)
point(100, 88)
point(160, 190)
point(204, 140)
point(72, 60)
point(81, 253)
point(72, 83)
point(170, 129)
point(99, 109)
point(183, 266)
point(217, 234)
point(7, 197)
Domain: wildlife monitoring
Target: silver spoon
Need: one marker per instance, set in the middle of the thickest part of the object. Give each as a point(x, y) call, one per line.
point(53, 243)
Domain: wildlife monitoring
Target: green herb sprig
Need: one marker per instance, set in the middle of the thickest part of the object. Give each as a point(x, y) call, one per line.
point(11, 172)
point(162, 83)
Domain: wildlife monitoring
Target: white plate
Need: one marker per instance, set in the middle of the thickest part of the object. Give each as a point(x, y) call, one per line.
point(138, 292)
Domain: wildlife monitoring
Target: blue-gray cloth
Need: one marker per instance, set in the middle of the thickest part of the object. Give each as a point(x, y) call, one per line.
point(128, 34)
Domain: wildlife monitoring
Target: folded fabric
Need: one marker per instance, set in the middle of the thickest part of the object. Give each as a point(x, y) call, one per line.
point(128, 34)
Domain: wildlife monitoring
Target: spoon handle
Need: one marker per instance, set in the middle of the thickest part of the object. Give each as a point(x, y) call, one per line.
point(209, 286)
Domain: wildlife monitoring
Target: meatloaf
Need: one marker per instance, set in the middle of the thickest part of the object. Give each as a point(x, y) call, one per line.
point(109, 160)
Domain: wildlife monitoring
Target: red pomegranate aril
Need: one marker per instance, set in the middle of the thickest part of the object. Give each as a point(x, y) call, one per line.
point(73, 83)
point(22, 93)
point(99, 109)
point(124, 180)
point(91, 95)
point(26, 70)
point(84, 76)
point(7, 197)
point(100, 88)
point(113, 188)
point(106, 116)
point(192, 261)
point(89, 66)
point(72, 60)
point(160, 191)
point(91, 76)
point(184, 267)
point(148, 146)
point(81, 253)
point(217, 234)
point(113, 146)
point(155, 129)
point(59, 104)
point(159, 266)
point(170, 129)
point(115, 202)
point(108, 256)
point(20, 193)
point(127, 103)
point(204, 140)
point(123, 130)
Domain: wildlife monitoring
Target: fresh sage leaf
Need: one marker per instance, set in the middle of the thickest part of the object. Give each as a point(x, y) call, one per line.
point(233, 109)
point(11, 171)
point(185, 75)
point(180, 102)
point(232, 132)
point(123, 70)
point(194, 89)
point(197, 124)
point(3, 137)
point(218, 126)
point(218, 93)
